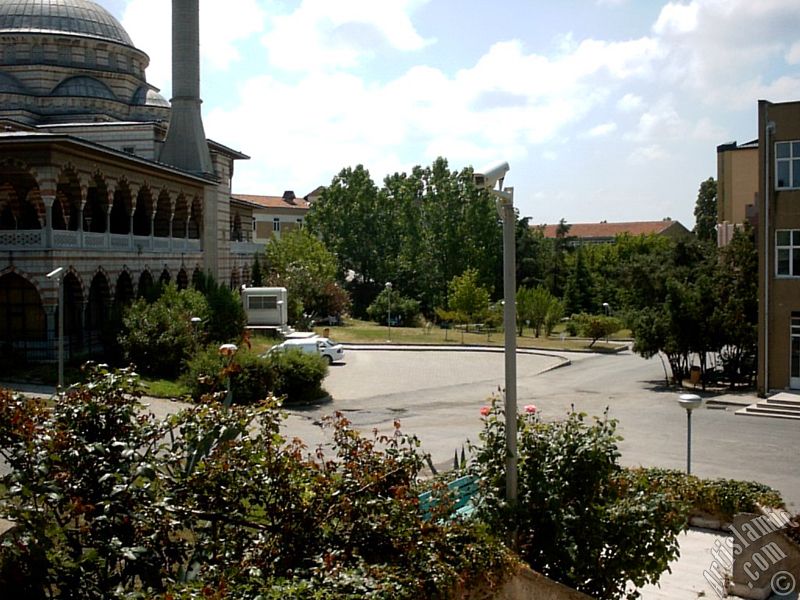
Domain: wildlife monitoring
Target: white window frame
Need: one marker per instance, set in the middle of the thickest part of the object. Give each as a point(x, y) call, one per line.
point(792, 248)
point(276, 225)
point(792, 161)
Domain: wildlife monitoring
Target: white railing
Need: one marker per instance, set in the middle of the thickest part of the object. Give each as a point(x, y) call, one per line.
point(36, 239)
point(25, 239)
point(66, 239)
point(249, 248)
point(120, 242)
point(95, 241)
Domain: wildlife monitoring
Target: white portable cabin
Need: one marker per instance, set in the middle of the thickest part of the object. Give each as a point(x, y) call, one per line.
point(265, 307)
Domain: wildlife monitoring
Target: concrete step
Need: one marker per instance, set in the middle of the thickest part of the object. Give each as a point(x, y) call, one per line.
point(792, 404)
point(759, 410)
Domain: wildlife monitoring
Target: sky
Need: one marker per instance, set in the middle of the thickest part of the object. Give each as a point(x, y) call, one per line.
point(606, 110)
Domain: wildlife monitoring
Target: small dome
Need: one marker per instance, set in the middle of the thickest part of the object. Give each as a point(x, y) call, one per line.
point(73, 17)
point(87, 87)
point(10, 84)
point(146, 96)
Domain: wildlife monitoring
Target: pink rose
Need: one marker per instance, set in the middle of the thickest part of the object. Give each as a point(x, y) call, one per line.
point(531, 409)
point(485, 410)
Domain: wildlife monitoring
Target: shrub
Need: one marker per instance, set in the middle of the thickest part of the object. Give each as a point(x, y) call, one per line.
point(719, 498)
point(214, 502)
point(252, 377)
point(576, 522)
point(294, 375)
point(159, 337)
point(298, 375)
point(404, 310)
point(596, 326)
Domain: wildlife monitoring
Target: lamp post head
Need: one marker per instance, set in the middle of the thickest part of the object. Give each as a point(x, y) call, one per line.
point(228, 349)
point(195, 320)
point(388, 285)
point(690, 401)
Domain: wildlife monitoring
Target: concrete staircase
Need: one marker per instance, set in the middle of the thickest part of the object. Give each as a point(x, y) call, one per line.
point(783, 405)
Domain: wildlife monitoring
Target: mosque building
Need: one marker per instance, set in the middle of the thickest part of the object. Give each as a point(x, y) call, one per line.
point(103, 177)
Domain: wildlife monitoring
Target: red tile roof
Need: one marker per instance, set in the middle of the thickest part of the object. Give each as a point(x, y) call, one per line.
point(273, 201)
point(609, 230)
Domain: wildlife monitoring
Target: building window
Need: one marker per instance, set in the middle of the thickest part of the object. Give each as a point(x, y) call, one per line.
point(787, 165)
point(787, 251)
point(276, 225)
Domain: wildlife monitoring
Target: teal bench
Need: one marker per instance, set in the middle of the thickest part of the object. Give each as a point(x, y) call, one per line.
point(460, 491)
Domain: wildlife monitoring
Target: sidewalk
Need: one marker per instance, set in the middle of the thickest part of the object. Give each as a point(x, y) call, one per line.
point(686, 580)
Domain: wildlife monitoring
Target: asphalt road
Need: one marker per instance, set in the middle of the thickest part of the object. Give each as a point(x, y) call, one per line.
point(438, 395)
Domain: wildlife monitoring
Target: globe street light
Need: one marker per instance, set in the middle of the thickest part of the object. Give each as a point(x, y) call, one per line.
point(389, 309)
point(689, 402)
point(57, 275)
point(505, 207)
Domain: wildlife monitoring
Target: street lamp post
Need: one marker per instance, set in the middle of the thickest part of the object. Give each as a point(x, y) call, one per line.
point(689, 402)
point(56, 274)
point(505, 207)
point(607, 311)
point(389, 309)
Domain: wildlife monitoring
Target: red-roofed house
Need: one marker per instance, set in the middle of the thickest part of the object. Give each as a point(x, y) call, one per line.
point(258, 219)
point(604, 233)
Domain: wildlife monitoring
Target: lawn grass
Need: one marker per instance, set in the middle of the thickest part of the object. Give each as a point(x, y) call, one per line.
point(354, 331)
point(164, 388)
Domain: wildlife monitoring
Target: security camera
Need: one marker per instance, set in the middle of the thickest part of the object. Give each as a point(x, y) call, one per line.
point(490, 177)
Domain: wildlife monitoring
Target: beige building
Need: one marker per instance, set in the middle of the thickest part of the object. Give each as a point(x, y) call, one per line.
point(737, 187)
point(779, 245)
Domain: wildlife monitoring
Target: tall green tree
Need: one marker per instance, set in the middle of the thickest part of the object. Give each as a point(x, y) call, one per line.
point(532, 252)
point(705, 211)
point(557, 271)
point(578, 295)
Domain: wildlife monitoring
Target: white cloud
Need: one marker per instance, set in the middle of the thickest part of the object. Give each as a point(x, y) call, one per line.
point(630, 103)
point(305, 129)
point(793, 55)
point(714, 47)
point(602, 130)
point(677, 18)
point(222, 26)
point(321, 34)
point(647, 154)
point(660, 122)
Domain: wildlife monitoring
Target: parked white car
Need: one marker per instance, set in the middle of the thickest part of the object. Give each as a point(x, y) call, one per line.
point(313, 345)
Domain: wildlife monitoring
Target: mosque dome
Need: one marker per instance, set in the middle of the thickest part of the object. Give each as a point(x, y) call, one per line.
point(81, 18)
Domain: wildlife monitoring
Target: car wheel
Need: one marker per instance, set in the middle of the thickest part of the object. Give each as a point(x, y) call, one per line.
point(329, 359)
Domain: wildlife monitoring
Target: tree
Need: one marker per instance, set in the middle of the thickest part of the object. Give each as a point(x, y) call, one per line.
point(737, 307)
point(303, 265)
point(159, 337)
point(467, 298)
point(403, 308)
point(597, 326)
point(532, 252)
point(557, 270)
point(578, 292)
point(539, 307)
point(418, 231)
point(256, 277)
point(705, 211)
